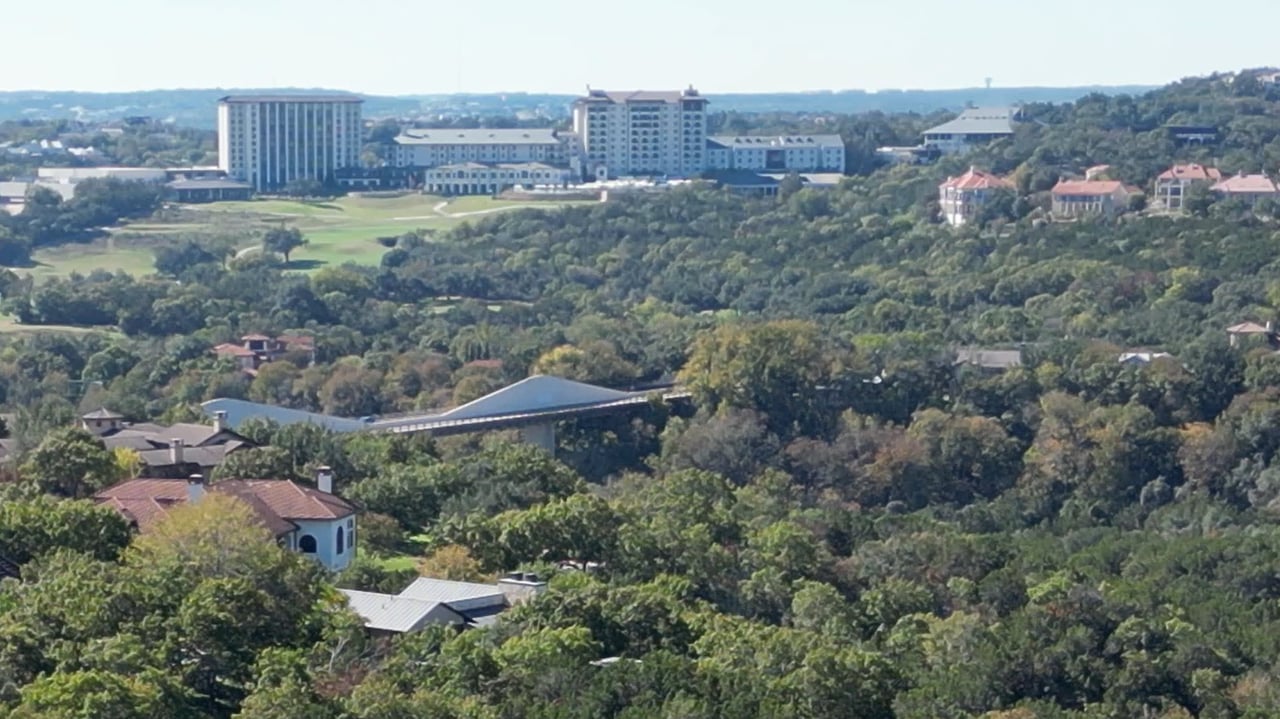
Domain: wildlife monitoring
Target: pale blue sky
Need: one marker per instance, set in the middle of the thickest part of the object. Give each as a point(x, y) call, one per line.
point(427, 46)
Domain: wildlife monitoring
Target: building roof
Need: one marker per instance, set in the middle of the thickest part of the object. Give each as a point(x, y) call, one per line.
point(286, 97)
point(276, 502)
point(1087, 188)
point(777, 141)
point(978, 121)
point(1142, 357)
point(1248, 328)
point(991, 359)
point(239, 410)
point(14, 189)
point(208, 185)
point(226, 349)
point(462, 596)
point(741, 178)
point(1191, 172)
point(538, 393)
point(1246, 185)
point(102, 413)
point(522, 136)
point(624, 96)
point(390, 613)
point(975, 179)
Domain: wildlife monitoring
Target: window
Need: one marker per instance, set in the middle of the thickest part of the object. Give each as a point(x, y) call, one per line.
point(341, 543)
point(351, 533)
point(307, 545)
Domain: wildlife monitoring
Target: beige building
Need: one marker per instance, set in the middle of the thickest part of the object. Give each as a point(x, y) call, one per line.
point(1172, 184)
point(962, 198)
point(785, 153)
point(269, 141)
point(1250, 188)
point(1074, 199)
point(477, 178)
point(433, 148)
point(640, 133)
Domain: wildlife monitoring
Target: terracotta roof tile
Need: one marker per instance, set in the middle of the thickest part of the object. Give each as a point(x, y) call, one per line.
point(230, 350)
point(1087, 187)
point(1191, 172)
point(1246, 185)
point(975, 179)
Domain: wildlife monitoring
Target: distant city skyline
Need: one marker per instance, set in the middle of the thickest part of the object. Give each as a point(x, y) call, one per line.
point(384, 47)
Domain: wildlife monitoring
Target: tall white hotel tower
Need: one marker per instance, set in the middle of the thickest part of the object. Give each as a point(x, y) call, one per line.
point(271, 140)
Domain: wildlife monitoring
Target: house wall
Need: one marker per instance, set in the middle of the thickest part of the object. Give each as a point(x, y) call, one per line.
point(326, 535)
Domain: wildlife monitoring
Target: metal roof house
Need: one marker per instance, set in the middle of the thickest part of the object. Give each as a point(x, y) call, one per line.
point(972, 126)
point(439, 601)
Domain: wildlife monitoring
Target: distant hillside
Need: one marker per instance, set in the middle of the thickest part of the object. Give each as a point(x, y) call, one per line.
point(195, 108)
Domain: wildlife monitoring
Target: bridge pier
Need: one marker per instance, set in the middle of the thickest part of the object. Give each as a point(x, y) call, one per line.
point(540, 435)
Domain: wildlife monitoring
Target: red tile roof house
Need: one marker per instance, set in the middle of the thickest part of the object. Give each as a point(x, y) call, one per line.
point(1249, 188)
point(1173, 183)
point(961, 198)
point(256, 350)
point(1074, 199)
point(309, 520)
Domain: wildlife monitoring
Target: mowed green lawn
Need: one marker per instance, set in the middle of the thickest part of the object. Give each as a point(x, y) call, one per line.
point(342, 230)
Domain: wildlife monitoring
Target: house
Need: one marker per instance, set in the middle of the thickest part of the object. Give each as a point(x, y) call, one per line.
point(175, 451)
point(1248, 188)
point(962, 198)
point(1172, 184)
point(309, 520)
point(430, 601)
point(1074, 199)
point(1252, 329)
point(192, 191)
point(1193, 134)
point(989, 359)
point(1142, 357)
point(974, 125)
point(744, 182)
point(1098, 172)
point(255, 350)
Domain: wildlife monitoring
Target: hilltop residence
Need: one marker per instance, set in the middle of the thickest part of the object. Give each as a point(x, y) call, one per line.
point(309, 520)
point(1172, 184)
point(175, 451)
point(962, 198)
point(1249, 188)
point(437, 601)
point(1074, 199)
point(974, 125)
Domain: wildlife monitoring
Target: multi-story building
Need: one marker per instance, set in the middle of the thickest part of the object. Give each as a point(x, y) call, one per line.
point(1173, 183)
point(476, 178)
point(1248, 188)
point(433, 148)
point(962, 198)
point(974, 125)
point(1074, 199)
point(787, 153)
point(640, 133)
point(269, 141)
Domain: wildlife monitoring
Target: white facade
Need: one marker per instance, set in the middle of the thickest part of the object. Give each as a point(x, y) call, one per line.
point(475, 178)
point(334, 540)
point(433, 148)
point(787, 153)
point(269, 141)
point(640, 133)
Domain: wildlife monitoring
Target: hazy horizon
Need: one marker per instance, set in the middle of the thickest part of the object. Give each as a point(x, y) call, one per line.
point(555, 47)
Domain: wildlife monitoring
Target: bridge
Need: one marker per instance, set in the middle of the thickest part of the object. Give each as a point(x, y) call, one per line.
point(532, 405)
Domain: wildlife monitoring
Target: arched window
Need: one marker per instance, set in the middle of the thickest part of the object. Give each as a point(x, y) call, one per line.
point(307, 545)
point(340, 541)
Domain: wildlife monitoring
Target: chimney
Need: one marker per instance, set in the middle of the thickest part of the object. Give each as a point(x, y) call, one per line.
point(220, 421)
point(324, 479)
point(175, 451)
point(195, 488)
point(520, 587)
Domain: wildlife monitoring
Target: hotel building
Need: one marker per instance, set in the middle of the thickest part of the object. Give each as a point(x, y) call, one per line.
point(433, 148)
point(269, 141)
point(640, 133)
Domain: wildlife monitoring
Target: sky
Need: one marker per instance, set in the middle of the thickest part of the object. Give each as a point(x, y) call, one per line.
point(719, 46)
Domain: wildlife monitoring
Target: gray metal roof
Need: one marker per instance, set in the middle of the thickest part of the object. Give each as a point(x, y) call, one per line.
point(286, 97)
point(239, 410)
point(978, 121)
point(776, 141)
point(520, 136)
point(391, 613)
point(991, 359)
point(209, 185)
point(460, 596)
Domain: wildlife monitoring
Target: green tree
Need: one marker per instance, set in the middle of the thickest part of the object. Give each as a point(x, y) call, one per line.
point(70, 463)
point(283, 241)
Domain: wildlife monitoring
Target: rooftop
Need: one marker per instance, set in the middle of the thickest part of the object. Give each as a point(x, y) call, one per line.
point(1089, 188)
point(427, 589)
point(390, 613)
point(978, 121)
point(533, 136)
point(624, 96)
point(1247, 185)
point(209, 185)
point(1190, 172)
point(975, 179)
point(773, 141)
point(991, 359)
point(286, 97)
point(276, 502)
